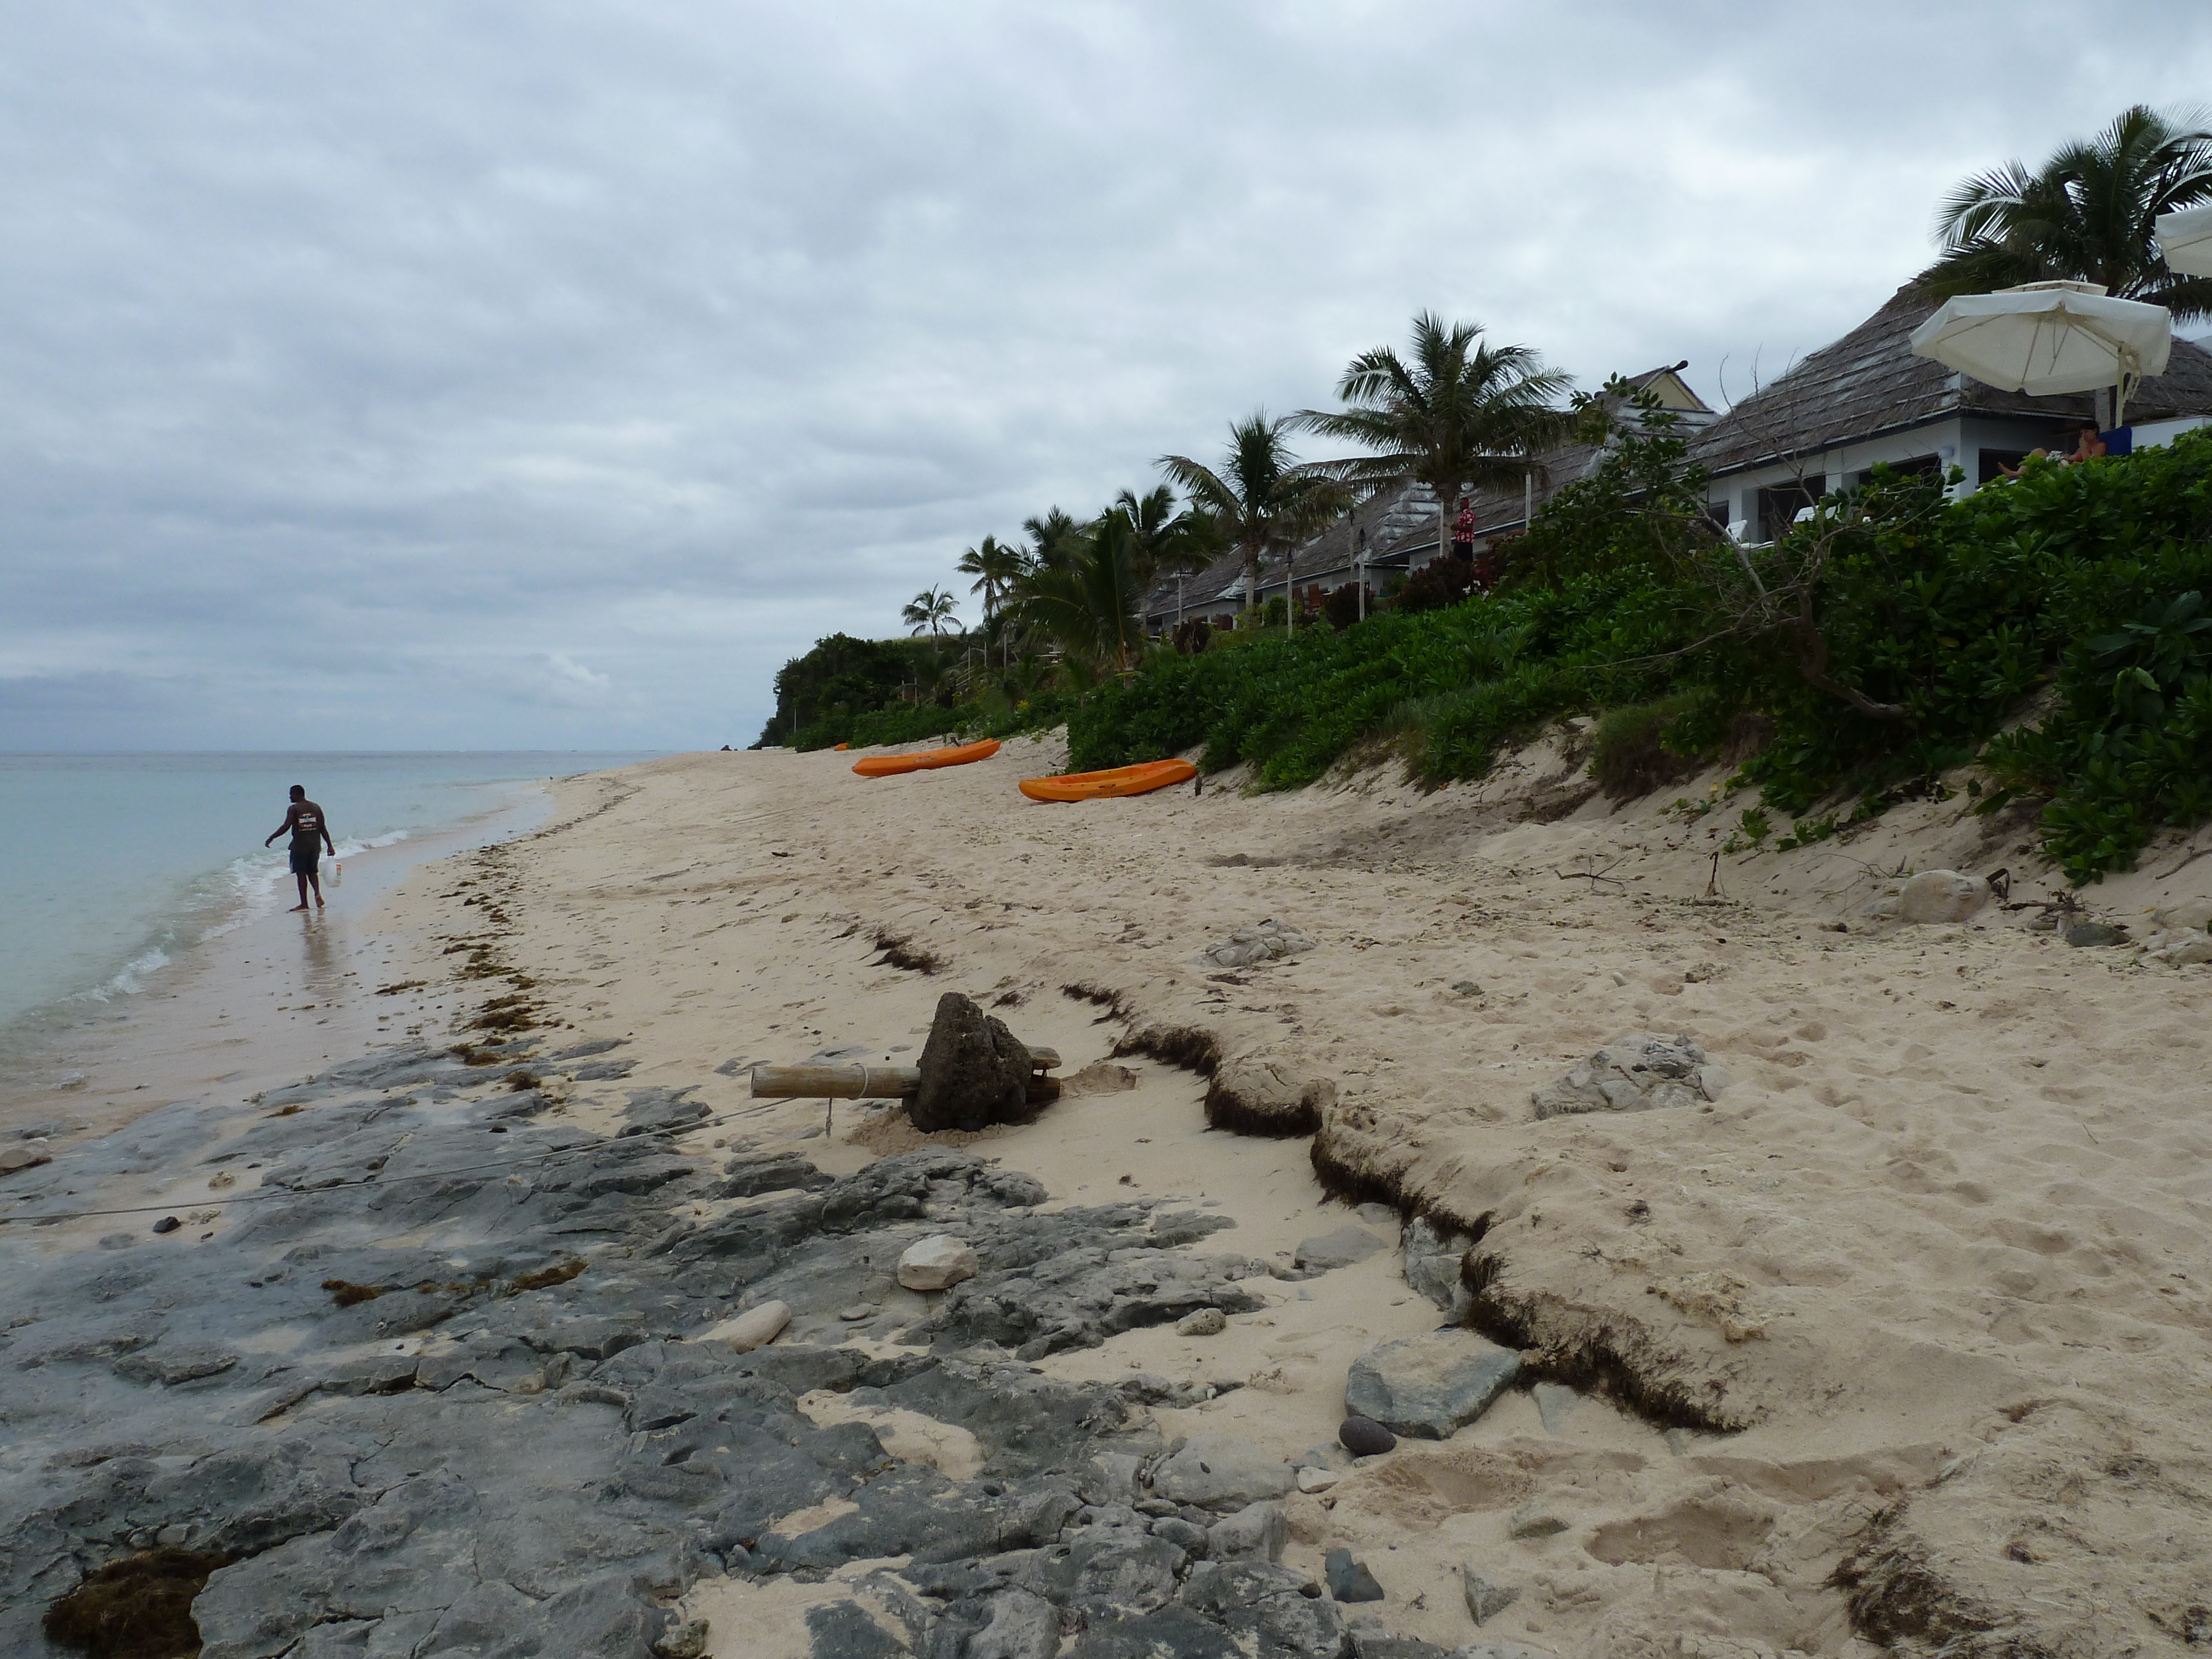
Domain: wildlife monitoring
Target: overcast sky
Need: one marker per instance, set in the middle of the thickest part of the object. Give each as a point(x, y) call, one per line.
point(543, 374)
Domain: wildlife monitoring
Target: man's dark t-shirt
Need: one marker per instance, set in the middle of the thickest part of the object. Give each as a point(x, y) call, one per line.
point(305, 821)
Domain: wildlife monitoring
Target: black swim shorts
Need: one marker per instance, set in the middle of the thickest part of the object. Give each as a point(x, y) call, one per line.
point(306, 856)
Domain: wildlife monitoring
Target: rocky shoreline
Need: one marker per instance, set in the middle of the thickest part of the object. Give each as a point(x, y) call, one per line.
point(1712, 1276)
point(525, 1437)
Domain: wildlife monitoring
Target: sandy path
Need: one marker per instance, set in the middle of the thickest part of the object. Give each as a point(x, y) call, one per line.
point(1927, 1282)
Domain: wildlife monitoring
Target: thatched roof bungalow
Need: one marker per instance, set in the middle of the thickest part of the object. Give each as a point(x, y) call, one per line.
point(1822, 426)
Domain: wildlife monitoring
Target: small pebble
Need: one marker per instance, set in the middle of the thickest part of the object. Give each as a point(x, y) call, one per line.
point(168, 1223)
point(1363, 1436)
point(1202, 1321)
point(856, 1311)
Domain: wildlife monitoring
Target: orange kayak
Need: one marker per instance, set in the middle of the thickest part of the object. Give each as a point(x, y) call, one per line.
point(1120, 780)
point(842, 746)
point(927, 760)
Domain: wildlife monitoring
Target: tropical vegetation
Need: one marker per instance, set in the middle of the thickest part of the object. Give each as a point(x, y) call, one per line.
point(2051, 634)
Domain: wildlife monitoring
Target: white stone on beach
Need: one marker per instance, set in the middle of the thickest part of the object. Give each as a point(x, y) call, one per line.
point(2188, 915)
point(1202, 1321)
point(1264, 943)
point(755, 1328)
point(29, 1155)
point(938, 1263)
point(1634, 1073)
point(1942, 896)
point(1314, 1480)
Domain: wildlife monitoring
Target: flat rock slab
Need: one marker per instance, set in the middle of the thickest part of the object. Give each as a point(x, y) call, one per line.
point(1220, 1472)
point(1429, 1386)
point(1347, 1244)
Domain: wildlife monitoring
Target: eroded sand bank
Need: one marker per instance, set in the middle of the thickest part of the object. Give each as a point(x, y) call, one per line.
point(1900, 1338)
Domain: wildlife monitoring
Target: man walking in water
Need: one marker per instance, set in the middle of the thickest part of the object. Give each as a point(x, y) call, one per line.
point(311, 833)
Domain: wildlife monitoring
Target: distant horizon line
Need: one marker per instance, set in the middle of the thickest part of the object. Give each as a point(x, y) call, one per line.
point(48, 754)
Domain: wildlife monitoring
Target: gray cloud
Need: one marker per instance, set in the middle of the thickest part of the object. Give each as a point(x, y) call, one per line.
point(546, 374)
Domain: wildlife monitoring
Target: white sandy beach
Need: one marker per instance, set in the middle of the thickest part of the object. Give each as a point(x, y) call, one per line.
point(1916, 1310)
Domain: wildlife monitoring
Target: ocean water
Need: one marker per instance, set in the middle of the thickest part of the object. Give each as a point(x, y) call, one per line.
point(111, 864)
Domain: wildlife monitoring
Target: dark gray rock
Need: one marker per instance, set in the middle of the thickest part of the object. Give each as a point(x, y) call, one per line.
point(2088, 935)
point(586, 1050)
point(1347, 1244)
point(173, 1364)
point(1191, 1541)
point(1266, 1610)
point(973, 1073)
point(604, 1071)
point(654, 1111)
point(1429, 1386)
point(1258, 1532)
point(846, 1630)
point(556, 1465)
point(1349, 1580)
point(1373, 1644)
point(1363, 1436)
point(750, 1174)
point(1433, 1255)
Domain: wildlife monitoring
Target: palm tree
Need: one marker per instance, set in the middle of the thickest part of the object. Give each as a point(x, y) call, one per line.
point(2086, 216)
point(1164, 541)
point(931, 610)
point(1462, 412)
point(1261, 501)
point(993, 565)
point(1091, 601)
point(1052, 537)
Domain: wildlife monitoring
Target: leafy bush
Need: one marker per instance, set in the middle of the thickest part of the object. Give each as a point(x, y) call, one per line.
point(1340, 607)
point(1925, 625)
point(1629, 756)
point(1437, 584)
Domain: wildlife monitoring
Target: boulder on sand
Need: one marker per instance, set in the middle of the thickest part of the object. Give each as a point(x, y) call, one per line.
point(938, 1263)
point(1942, 896)
point(974, 1071)
point(1430, 1385)
point(1634, 1073)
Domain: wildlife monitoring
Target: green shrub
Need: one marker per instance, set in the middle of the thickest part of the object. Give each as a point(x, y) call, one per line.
point(1629, 753)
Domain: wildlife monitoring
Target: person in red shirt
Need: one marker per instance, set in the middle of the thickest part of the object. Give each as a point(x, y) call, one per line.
point(311, 832)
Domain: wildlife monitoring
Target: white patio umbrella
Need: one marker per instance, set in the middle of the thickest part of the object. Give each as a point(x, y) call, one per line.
point(2185, 239)
point(2045, 338)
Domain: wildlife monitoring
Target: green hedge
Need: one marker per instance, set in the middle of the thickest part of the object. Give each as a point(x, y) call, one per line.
point(2085, 579)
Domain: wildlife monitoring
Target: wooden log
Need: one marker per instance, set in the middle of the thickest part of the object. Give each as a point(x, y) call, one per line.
point(872, 1082)
point(834, 1082)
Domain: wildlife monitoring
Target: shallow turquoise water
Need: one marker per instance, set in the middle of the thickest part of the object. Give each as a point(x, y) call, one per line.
point(110, 864)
